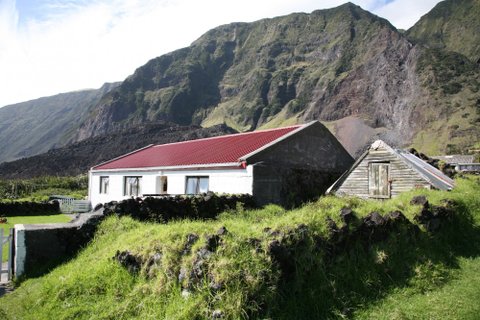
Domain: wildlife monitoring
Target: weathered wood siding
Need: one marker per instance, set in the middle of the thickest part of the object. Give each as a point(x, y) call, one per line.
point(402, 176)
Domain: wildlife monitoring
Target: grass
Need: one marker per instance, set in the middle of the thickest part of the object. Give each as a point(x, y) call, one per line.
point(12, 221)
point(409, 275)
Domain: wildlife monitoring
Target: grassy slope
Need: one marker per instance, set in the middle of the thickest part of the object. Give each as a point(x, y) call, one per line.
point(404, 277)
point(11, 221)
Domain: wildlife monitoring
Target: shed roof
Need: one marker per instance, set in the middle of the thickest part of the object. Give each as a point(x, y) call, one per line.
point(432, 175)
point(456, 158)
point(223, 150)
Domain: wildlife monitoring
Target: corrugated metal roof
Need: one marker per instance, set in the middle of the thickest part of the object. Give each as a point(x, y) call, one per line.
point(456, 158)
point(436, 178)
point(209, 151)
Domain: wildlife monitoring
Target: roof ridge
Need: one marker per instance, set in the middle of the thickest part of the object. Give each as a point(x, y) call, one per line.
point(229, 135)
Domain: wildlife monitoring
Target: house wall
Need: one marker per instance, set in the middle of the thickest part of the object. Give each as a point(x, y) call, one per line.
point(313, 148)
point(402, 177)
point(220, 180)
point(299, 168)
point(288, 187)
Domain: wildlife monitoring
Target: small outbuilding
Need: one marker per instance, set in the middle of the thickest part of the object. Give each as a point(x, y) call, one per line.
point(284, 166)
point(383, 172)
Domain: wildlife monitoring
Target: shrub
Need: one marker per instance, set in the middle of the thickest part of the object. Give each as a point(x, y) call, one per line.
point(13, 209)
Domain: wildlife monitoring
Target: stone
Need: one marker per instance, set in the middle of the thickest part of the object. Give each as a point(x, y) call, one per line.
point(129, 261)
point(419, 200)
point(213, 241)
point(395, 216)
point(347, 215)
point(373, 219)
point(331, 225)
point(433, 225)
point(186, 294)
point(191, 239)
point(281, 255)
point(222, 231)
point(183, 274)
point(217, 314)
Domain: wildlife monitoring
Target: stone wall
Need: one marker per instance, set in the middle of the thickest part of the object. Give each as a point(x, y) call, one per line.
point(40, 247)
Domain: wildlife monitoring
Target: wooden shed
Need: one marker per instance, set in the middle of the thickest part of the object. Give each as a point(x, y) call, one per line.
point(384, 172)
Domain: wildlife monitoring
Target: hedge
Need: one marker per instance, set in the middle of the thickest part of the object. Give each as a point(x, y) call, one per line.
point(164, 209)
point(13, 209)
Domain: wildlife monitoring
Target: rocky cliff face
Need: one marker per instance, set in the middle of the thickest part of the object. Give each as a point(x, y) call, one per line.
point(453, 25)
point(36, 126)
point(344, 66)
point(78, 158)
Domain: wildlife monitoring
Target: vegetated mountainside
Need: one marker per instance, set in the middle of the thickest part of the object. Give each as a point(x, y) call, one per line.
point(334, 258)
point(35, 126)
point(453, 25)
point(78, 158)
point(344, 66)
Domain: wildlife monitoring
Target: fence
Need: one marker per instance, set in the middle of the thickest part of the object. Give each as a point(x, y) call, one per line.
point(6, 240)
point(70, 205)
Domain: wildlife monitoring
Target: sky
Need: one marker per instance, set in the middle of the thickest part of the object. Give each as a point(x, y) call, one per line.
point(53, 46)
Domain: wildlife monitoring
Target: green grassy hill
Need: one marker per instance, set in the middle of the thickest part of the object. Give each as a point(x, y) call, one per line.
point(274, 264)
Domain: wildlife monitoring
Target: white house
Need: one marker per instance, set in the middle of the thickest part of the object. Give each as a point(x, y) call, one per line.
point(263, 163)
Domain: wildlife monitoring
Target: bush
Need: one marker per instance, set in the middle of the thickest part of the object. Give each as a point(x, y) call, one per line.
point(13, 209)
point(164, 209)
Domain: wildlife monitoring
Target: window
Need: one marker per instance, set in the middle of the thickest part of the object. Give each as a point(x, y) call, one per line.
point(104, 184)
point(378, 180)
point(132, 186)
point(162, 185)
point(196, 185)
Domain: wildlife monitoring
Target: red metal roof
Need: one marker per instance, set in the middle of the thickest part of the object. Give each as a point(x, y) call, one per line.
point(215, 150)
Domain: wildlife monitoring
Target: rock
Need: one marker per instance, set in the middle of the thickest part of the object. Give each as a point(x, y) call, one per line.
point(222, 231)
point(98, 207)
point(301, 230)
point(281, 255)
point(373, 219)
point(213, 241)
point(256, 243)
point(191, 239)
point(217, 314)
point(347, 216)
point(215, 286)
point(183, 274)
point(129, 261)
point(204, 253)
point(433, 225)
point(331, 225)
point(395, 216)
point(419, 200)
point(186, 294)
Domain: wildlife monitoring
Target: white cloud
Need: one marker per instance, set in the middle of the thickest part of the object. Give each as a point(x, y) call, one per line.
point(71, 45)
point(404, 13)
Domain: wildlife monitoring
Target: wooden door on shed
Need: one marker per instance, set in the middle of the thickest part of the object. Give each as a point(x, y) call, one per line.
point(378, 180)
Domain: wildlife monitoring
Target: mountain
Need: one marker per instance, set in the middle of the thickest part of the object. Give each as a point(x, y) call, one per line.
point(35, 126)
point(344, 66)
point(453, 25)
point(350, 69)
point(78, 158)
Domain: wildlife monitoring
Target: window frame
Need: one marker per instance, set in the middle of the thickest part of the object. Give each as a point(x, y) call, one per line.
point(197, 186)
point(139, 186)
point(104, 188)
